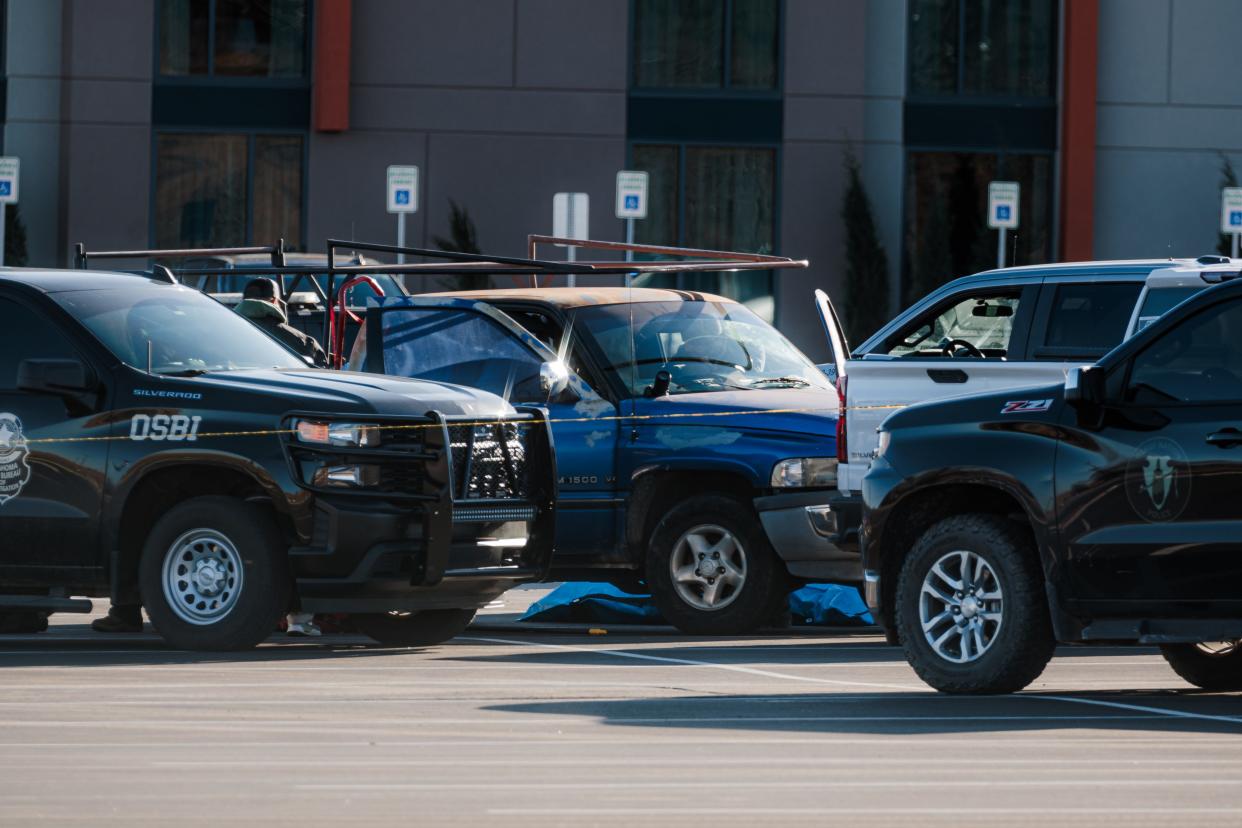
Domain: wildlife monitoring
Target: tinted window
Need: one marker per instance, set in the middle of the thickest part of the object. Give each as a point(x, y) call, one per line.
point(705, 44)
point(984, 322)
point(28, 335)
point(461, 347)
point(1160, 301)
point(1090, 317)
point(1199, 360)
point(251, 38)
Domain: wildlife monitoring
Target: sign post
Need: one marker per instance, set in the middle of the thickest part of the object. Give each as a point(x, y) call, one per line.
point(402, 199)
point(1231, 215)
point(571, 219)
point(9, 168)
point(1002, 212)
point(631, 204)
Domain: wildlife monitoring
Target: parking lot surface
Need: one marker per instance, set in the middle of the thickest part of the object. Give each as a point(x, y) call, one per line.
point(508, 727)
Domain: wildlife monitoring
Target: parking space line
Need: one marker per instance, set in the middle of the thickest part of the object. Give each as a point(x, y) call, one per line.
point(1140, 708)
point(870, 810)
point(817, 783)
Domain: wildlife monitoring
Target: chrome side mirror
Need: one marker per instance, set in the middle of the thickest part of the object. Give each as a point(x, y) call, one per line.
point(553, 378)
point(1084, 386)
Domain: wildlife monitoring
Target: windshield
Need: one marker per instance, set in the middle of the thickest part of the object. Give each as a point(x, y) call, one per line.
point(704, 346)
point(1161, 300)
point(188, 333)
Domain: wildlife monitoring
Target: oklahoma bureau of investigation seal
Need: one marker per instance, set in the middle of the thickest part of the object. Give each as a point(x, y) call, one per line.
point(14, 470)
point(1158, 480)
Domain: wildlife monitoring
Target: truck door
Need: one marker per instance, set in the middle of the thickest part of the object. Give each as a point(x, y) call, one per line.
point(51, 492)
point(1148, 503)
point(471, 343)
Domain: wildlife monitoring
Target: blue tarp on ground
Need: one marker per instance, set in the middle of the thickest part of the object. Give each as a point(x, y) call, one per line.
point(830, 605)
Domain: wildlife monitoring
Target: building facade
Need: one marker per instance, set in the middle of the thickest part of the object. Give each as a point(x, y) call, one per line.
point(199, 122)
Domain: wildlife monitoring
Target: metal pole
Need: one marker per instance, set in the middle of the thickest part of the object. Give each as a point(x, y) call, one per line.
point(629, 238)
point(572, 279)
point(1000, 249)
point(1233, 255)
point(400, 236)
point(4, 215)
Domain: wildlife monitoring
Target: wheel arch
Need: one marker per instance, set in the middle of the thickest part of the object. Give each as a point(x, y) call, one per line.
point(154, 488)
point(656, 489)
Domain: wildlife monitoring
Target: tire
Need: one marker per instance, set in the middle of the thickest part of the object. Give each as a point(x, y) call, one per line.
point(1211, 666)
point(243, 586)
point(752, 588)
point(414, 629)
point(1011, 640)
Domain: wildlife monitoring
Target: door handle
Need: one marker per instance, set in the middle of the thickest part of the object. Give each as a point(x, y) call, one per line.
point(949, 375)
point(1225, 438)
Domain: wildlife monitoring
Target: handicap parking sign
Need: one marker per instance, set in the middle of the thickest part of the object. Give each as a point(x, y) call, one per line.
point(631, 202)
point(1235, 218)
point(6, 188)
point(1002, 212)
point(402, 196)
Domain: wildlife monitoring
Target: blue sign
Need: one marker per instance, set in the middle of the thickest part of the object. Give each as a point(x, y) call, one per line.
point(6, 189)
point(402, 196)
point(1002, 212)
point(631, 202)
point(1235, 218)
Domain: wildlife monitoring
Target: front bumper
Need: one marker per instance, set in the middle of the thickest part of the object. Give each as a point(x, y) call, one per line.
point(814, 533)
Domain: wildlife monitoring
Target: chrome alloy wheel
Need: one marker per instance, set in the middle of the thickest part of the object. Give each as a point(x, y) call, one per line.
point(1218, 648)
point(960, 606)
point(202, 576)
point(708, 566)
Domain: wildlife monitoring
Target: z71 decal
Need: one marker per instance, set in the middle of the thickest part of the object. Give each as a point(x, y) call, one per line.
point(174, 427)
point(1025, 406)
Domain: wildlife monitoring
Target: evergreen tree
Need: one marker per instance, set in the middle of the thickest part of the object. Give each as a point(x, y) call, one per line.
point(1228, 178)
point(866, 264)
point(462, 238)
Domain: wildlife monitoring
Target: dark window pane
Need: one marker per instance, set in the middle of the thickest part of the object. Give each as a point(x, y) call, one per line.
point(1009, 47)
point(30, 336)
point(933, 46)
point(260, 38)
point(183, 37)
point(679, 44)
point(200, 190)
point(755, 44)
point(1090, 317)
point(278, 189)
point(730, 197)
point(946, 209)
point(1196, 361)
point(660, 162)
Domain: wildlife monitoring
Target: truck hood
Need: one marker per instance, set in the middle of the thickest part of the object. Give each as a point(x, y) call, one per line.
point(1040, 404)
point(792, 410)
point(347, 391)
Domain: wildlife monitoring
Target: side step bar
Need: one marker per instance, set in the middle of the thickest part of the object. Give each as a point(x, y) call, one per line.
point(44, 602)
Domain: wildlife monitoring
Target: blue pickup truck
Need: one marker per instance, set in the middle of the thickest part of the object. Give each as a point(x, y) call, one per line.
point(696, 446)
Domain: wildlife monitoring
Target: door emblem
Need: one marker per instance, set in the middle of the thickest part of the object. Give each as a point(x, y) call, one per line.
point(1158, 480)
point(14, 470)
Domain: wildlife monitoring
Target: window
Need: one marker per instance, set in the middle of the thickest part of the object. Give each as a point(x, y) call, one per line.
point(983, 323)
point(461, 347)
point(946, 215)
point(711, 197)
point(997, 48)
point(1090, 318)
point(31, 336)
point(227, 189)
point(1198, 361)
point(706, 44)
point(233, 38)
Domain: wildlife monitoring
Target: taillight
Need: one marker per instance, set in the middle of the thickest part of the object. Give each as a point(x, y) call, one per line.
point(843, 454)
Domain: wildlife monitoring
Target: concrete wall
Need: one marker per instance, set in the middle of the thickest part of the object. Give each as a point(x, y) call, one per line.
point(501, 103)
point(1169, 104)
point(837, 100)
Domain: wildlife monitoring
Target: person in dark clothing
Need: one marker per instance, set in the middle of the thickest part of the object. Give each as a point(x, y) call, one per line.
point(121, 618)
point(261, 305)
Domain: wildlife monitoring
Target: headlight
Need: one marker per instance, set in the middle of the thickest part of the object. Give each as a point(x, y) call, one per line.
point(350, 435)
point(805, 472)
point(885, 437)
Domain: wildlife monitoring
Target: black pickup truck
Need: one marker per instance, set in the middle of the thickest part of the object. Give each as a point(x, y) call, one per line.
point(155, 446)
point(1099, 510)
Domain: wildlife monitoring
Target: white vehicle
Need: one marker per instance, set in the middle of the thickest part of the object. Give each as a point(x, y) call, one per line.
point(1010, 328)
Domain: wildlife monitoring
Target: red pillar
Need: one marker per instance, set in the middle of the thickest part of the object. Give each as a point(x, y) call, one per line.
point(1079, 70)
point(331, 81)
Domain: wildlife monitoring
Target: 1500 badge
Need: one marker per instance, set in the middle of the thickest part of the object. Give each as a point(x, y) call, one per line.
point(174, 427)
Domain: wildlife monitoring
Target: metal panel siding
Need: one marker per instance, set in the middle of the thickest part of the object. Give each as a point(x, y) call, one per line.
point(331, 65)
